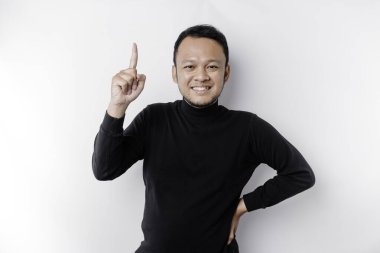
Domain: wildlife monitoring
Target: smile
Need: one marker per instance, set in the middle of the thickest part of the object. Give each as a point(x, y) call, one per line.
point(200, 88)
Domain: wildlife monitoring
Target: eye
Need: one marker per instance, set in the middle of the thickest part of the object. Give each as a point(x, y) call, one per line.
point(188, 67)
point(213, 67)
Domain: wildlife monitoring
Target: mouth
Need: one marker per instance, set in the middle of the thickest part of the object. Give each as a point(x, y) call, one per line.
point(201, 88)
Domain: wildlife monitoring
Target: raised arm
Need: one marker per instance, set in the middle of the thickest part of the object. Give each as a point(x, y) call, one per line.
point(115, 151)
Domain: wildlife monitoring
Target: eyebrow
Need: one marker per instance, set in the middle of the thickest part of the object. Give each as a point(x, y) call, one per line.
point(208, 61)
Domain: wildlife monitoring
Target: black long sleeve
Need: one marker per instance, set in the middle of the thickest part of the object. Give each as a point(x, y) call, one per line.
point(114, 150)
point(294, 174)
point(196, 163)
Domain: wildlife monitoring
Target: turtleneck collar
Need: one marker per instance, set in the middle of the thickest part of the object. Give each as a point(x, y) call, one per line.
point(203, 113)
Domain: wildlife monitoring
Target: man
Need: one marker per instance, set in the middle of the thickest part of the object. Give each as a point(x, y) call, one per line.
point(198, 155)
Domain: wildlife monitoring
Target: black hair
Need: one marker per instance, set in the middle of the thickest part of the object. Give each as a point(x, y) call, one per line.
point(202, 31)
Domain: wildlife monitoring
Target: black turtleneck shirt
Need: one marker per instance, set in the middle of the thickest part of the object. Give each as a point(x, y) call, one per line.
point(196, 163)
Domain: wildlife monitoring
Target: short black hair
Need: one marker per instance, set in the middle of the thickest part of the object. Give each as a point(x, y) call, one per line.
point(202, 31)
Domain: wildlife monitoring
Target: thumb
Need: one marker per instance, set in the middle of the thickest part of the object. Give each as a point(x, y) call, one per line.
point(141, 77)
point(141, 81)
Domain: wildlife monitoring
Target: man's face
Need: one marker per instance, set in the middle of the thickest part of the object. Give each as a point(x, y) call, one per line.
point(200, 70)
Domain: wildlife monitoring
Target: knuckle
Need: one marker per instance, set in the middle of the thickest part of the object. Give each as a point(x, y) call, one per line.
point(120, 80)
point(128, 70)
point(115, 77)
point(128, 73)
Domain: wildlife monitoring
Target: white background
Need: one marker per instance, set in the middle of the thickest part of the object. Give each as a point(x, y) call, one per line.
point(310, 68)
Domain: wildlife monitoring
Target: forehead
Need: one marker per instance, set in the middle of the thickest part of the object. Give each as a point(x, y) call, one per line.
point(200, 48)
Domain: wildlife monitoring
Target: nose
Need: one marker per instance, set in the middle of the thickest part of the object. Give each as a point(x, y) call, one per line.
point(201, 75)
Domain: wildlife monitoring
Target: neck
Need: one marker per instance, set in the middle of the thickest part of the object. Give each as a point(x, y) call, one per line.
point(201, 113)
point(202, 106)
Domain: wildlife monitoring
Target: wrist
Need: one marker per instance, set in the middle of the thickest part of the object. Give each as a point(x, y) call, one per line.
point(241, 208)
point(116, 111)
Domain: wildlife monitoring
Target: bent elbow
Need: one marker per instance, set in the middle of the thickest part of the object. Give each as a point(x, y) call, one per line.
point(304, 179)
point(310, 179)
point(100, 176)
point(99, 171)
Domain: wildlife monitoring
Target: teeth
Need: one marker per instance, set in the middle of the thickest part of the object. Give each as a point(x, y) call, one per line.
point(200, 88)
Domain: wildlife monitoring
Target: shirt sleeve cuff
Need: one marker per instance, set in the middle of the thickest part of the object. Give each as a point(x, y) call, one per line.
point(252, 201)
point(112, 125)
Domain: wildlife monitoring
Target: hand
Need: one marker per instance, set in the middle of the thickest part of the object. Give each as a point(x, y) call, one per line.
point(240, 210)
point(126, 86)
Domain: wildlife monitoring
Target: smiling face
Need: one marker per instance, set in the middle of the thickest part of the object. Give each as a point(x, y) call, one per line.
point(200, 70)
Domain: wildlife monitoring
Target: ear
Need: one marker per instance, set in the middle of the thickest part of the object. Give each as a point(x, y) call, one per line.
point(174, 74)
point(227, 73)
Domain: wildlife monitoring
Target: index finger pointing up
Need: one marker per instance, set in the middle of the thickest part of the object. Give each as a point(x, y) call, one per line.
point(134, 57)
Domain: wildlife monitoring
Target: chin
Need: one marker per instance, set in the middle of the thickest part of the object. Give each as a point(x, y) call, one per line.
point(201, 103)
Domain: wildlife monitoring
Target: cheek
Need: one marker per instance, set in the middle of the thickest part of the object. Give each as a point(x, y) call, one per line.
point(183, 78)
point(218, 78)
